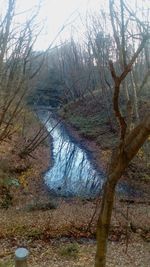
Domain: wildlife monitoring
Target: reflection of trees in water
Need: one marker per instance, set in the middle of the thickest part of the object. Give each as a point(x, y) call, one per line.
point(72, 173)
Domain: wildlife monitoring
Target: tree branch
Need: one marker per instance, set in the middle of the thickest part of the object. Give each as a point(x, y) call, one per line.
point(137, 137)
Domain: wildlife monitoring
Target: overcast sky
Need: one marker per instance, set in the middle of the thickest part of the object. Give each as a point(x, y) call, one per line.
point(56, 13)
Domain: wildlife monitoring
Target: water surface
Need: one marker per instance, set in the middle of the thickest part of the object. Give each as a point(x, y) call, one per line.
point(74, 172)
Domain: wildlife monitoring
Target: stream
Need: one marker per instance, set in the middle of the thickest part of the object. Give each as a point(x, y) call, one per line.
point(73, 172)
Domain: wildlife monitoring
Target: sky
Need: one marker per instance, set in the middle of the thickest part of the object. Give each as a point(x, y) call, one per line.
point(56, 13)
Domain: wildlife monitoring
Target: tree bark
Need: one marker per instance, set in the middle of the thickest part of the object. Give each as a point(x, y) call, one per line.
point(120, 160)
point(103, 224)
point(117, 167)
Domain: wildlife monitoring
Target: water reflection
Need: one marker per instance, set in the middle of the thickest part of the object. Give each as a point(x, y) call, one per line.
point(72, 174)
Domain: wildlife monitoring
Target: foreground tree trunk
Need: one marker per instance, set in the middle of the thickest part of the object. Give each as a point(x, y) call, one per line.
point(120, 160)
point(104, 223)
point(106, 209)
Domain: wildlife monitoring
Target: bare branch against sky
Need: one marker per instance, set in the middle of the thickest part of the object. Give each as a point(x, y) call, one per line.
point(54, 14)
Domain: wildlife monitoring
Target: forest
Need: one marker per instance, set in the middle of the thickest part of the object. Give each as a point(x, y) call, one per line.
point(75, 137)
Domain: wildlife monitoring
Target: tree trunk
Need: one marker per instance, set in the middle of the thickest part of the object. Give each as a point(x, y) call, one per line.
point(104, 224)
point(120, 160)
point(117, 167)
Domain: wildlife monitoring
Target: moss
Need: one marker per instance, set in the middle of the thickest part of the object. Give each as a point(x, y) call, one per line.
point(70, 250)
point(34, 233)
point(9, 263)
point(25, 231)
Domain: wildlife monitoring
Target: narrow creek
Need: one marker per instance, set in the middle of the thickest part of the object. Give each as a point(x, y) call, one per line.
point(73, 172)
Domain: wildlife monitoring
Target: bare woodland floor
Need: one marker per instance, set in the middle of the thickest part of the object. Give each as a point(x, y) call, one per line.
point(51, 254)
point(51, 236)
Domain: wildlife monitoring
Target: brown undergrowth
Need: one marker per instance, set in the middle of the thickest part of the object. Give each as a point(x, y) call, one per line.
point(21, 178)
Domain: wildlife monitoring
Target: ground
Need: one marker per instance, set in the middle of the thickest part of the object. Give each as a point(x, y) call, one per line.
point(65, 236)
point(60, 253)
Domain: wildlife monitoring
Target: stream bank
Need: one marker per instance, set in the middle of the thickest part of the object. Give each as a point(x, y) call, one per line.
point(88, 122)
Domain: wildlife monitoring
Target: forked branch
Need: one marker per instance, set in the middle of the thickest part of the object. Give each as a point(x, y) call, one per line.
point(118, 80)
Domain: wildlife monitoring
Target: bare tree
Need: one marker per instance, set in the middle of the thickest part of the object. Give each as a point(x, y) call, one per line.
point(131, 141)
point(16, 46)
